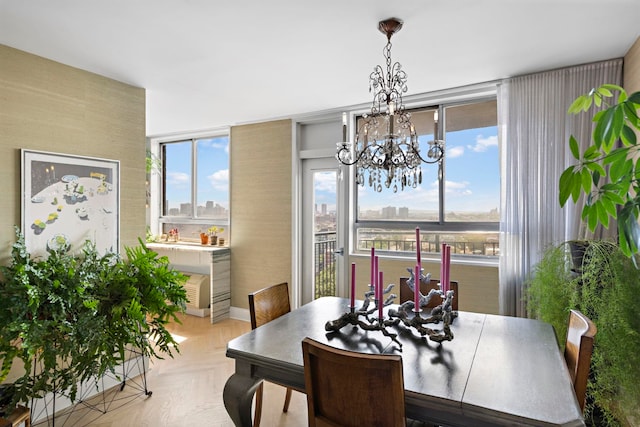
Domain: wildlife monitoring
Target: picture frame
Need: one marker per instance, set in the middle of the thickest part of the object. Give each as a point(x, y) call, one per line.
point(69, 199)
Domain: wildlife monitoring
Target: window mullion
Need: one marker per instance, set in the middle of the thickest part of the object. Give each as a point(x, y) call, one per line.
point(194, 178)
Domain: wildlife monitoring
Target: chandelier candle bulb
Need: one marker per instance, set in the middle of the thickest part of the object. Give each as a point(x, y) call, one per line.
point(344, 127)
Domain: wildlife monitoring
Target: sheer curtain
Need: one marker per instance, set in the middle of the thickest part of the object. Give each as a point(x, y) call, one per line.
point(534, 130)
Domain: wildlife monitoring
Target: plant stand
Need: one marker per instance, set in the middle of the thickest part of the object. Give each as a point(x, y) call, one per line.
point(89, 405)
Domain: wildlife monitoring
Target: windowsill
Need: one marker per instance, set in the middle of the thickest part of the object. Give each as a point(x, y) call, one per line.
point(186, 246)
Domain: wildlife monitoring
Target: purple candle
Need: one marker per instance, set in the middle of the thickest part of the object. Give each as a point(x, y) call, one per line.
point(380, 285)
point(418, 248)
point(416, 290)
point(373, 271)
point(448, 266)
point(443, 251)
point(353, 284)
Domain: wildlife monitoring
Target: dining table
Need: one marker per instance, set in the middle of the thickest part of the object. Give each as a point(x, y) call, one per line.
point(496, 371)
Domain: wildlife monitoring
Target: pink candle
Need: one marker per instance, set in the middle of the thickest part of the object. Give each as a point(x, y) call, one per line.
point(373, 271)
point(443, 251)
point(376, 278)
point(380, 285)
point(353, 284)
point(418, 248)
point(448, 267)
point(416, 290)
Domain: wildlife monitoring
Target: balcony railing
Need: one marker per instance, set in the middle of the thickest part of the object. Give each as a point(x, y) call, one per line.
point(325, 261)
point(489, 248)
point(325, 264)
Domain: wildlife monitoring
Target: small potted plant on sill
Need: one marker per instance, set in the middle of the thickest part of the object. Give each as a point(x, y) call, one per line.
point(213, 234)
point(204, 238)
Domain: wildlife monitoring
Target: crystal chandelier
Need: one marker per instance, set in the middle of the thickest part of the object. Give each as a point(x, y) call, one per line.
point(386, 147)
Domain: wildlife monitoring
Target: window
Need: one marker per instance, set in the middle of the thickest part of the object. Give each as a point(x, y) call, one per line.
point(195, 185)
point(459, 206)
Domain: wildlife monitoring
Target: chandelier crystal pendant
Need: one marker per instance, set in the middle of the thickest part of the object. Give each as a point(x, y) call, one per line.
point(386, 150)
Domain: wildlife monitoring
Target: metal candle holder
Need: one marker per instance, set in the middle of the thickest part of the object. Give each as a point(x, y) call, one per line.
point(405, 314)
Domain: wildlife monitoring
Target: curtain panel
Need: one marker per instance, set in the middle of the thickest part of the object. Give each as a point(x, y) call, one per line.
point(534, 130)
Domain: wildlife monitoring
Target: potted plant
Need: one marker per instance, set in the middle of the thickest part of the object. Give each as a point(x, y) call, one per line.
point(213, 234)
point(607, 291)
point(75, 315)
point(204, 238)
point(607, 172)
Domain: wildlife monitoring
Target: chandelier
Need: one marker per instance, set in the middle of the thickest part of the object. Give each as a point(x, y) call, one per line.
point(386, 147)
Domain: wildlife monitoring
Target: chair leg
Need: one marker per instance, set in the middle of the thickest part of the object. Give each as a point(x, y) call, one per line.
point(287, 400)
point(258, 411)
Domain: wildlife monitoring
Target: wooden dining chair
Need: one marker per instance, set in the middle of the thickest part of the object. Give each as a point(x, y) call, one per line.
point(352, 389)
point(264, 306)
point(20, 415)
point(578, 350)
point(406, 294)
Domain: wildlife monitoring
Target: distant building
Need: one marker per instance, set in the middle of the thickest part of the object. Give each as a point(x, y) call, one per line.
point(403, 213)
point(389, 212)
point(185, 209)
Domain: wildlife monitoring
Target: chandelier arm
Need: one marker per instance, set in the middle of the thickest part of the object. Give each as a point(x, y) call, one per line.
point(437, 149)
point(344, 149)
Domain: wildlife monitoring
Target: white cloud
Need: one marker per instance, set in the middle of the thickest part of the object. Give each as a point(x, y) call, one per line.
point(483, 144)
point(461, 188)
point(178, 179)
point(325, 181)
point(454, 152)
point(219, 180)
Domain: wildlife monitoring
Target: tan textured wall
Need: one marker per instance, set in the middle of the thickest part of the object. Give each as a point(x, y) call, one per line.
point(261, 179)
point(48, 106)
point(631, 75)
point(477, 285)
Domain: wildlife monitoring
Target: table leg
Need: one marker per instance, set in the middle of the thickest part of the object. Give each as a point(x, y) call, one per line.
point(238, 395)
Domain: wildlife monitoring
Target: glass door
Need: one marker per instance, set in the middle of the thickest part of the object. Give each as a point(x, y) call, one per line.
point(322, 244)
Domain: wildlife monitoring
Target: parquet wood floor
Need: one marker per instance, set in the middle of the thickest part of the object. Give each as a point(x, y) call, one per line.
point(187, 390)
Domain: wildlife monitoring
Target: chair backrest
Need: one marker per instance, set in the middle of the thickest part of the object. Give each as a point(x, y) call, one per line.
point(268, 304)
point(577, 352)
point(407, 295)
point(352, 389)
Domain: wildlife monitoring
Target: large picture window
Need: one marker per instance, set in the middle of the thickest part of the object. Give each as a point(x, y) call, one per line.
point(458, 200)
point(195, 185)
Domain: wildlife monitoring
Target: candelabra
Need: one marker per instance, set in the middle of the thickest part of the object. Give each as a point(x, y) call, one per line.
point(406, 314)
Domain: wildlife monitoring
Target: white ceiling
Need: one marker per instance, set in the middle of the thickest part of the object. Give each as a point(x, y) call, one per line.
point(211, 63)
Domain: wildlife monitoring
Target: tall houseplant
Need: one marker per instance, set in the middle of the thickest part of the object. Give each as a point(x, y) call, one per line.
point(76, 315)
point(607, 289)
point(608, 170)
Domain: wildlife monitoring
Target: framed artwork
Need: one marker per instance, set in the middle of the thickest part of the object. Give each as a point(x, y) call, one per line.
point(67, 200)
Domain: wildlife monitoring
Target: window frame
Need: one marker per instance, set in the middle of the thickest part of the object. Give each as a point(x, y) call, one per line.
point(426, 227)
point(156, 217)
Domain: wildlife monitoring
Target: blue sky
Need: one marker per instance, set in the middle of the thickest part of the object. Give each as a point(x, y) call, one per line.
point(213, 172)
